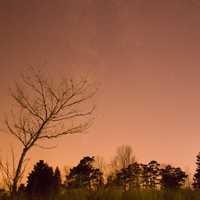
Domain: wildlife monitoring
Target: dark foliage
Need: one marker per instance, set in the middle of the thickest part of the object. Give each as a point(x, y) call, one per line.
point(172, 178)
point(150, 175)
point(136, 176)
point(126, 177)
point(57, 180)
point(85, 175)
point(196, 182)
point(137, 181)
point(42, 181)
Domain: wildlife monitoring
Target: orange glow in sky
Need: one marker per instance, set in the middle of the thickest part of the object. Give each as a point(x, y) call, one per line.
point(144, 55)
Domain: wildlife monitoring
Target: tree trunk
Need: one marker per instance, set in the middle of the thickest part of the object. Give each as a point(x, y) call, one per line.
point(17, 174)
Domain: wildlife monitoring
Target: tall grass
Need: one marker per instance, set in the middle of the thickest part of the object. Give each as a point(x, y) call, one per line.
point(118, 194)
point(157, 195)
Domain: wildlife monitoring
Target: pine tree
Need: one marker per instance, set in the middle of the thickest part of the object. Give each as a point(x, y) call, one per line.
point(127, 178)
point(57, 180)
point(154, 173)
point(41, 180)
point(196, 180)
point(84, 175)
point(172, 178)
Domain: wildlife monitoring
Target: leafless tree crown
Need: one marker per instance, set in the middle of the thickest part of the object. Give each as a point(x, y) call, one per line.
point(123, 158)
point(46, 110)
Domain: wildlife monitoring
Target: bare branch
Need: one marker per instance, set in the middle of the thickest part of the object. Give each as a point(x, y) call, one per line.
point(71, 116)
point(78, 129)
point(45, 110)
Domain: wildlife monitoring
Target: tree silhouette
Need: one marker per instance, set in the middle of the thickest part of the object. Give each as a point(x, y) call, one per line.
point(172, 178)
point(124, 157)
point(112, 180)
point(196, 181)
point(134, 172)
point(150, 175)
point(85, 175)
point(45, 110)
point(41, 181)
point(57, 180)
point(121, 179)
point(127, 178)
point(154, 172)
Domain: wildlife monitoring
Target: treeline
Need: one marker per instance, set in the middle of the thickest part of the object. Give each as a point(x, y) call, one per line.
point(126, 175)
point(44, 182)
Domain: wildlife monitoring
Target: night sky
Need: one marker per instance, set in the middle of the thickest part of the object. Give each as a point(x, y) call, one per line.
point(144, 55)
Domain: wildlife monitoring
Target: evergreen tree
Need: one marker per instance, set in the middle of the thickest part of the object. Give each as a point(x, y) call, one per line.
point(154, 173)
point(57, 181)
point(111, 180)
point(122, 179)
point(196, 181)
point(172, 178)
point(57, 178)
point(145, 176)
point(40, 181)
point(150, 175)
point(134, 175)
point(85, 175)
point(127, 178)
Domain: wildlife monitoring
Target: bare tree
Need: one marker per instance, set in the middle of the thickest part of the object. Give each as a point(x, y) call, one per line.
point(123, 158)
point(7, 172)
point(44, 111)
point(100, 163)
point(104, 167)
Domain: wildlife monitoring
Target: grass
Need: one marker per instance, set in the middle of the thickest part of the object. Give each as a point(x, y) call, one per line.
point(118, 194)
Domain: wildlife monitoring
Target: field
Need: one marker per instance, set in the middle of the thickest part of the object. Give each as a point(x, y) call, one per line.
point(117, 194)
